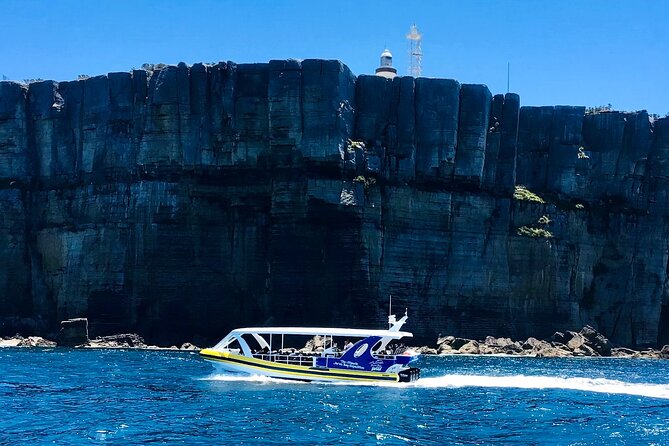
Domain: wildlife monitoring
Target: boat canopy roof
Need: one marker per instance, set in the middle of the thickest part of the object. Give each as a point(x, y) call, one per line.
point(322, 331)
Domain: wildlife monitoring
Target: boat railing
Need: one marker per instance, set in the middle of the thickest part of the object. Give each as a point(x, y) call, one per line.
point(291, 359)
point(307, 359)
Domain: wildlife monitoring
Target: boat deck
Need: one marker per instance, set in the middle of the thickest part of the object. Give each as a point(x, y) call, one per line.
point(304, 359)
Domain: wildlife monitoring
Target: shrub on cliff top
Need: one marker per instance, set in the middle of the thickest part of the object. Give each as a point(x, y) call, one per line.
point(598, 109)
point(523, 194)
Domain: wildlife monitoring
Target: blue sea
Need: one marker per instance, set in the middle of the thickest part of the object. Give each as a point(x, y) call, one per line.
point(122, 397)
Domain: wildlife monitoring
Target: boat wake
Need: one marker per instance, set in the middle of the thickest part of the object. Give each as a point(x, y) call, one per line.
point(244, 378)
point(598, 385)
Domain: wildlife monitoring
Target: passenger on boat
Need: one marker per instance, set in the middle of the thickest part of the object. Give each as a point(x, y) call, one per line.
point(347, 344)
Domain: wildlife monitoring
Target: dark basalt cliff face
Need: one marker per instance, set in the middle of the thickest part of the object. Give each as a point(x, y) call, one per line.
point(189, 200)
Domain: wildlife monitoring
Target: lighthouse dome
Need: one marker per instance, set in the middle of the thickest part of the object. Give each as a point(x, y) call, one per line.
point(386, 68)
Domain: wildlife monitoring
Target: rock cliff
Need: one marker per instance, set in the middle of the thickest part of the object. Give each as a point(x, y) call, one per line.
point(188, 200)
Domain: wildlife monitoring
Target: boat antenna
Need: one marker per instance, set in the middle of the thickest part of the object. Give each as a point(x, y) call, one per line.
point(508, 75)
point(391, 316)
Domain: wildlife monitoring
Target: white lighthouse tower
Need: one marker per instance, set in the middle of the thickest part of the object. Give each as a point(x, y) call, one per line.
point(386, 69)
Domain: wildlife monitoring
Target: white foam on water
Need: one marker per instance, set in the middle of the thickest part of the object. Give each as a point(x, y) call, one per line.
point(245, 378)
point(600, 385)
point(381, 436)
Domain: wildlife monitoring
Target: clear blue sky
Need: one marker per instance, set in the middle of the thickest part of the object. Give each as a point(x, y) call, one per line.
point(587, 52)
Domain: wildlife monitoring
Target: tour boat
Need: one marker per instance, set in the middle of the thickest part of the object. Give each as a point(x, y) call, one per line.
point(365, 357)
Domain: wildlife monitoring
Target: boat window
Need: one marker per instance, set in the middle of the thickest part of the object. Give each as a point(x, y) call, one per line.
point(224, 342)
point(360, 350)
point(254, 342)
point(294, 342)
point(233, 344)
point(262, 342)
point(251, 341)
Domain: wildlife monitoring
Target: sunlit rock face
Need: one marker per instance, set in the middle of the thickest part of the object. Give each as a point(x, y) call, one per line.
point(185, 201)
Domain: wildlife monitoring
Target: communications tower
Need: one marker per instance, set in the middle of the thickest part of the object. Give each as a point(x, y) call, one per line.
point(415, 51)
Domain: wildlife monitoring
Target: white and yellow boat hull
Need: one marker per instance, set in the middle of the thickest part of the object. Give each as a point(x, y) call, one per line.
point(230, 362)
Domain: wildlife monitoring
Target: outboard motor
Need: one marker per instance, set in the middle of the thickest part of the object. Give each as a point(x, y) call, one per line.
point(409, 375)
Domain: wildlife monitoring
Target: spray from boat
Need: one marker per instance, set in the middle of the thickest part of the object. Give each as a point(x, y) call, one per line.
point(455, 381)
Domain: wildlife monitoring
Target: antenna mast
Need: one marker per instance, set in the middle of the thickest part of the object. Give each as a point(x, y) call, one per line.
point(415, 51)
point(508, 75)
point(391, 316)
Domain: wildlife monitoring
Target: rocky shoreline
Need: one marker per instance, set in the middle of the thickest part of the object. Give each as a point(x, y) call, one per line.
point(586, 343)
point(120, 341)
point(74, 334)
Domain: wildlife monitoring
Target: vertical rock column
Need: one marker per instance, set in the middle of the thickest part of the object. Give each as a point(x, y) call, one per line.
point(493, 139)
point(437, 106)
point(385, 121)
point(15, 171)
point(374, 95)
point(603, 135)
point(534, 137)
point(317, 122)
point(375, 121)
point(251, 120)
point(120, 156)
point(404, 162)
point(285, 111)
point(660, 149)
point(658, 167)
point(14, 154)
point(328, 100)
point(44, 104)
point(475, 102)
point(196, 129)
point(161, 139)
point(633, 161)
point(563, 151)
point(15, 274)
point(140, 93)
point(220, 114)
point(94, 125)
point(506, 165)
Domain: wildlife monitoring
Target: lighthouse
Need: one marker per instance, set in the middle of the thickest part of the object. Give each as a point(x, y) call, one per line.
point(386, 68)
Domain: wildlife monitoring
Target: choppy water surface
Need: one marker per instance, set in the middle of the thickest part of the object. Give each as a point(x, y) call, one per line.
point(73, 397)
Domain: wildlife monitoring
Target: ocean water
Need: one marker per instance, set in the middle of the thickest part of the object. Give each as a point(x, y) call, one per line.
point(121, 397)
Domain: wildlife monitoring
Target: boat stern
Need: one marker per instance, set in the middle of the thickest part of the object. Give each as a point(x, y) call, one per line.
point(409, 375)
